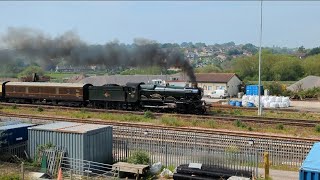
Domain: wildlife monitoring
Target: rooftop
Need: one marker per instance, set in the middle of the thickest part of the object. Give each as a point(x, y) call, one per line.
point(214, 77)
point(305, 83)
point(69, 127)
point(13, 126)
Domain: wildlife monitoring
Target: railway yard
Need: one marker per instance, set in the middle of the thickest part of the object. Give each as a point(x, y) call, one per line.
point(173, 139)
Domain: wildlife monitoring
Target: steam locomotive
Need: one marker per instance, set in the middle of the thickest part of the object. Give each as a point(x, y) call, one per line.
point(132, 96)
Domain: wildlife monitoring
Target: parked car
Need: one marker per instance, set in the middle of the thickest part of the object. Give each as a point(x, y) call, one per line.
point(219, 93)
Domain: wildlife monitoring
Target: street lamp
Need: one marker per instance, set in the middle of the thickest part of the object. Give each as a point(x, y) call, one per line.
point(259, 88)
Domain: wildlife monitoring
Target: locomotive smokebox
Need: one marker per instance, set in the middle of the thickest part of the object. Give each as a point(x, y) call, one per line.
point(194, 84)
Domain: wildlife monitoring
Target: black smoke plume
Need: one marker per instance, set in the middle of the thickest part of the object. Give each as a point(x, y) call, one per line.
point(35, 44)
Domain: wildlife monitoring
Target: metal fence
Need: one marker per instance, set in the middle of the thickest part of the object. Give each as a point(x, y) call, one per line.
point(176, 147)
point(17, 150)
point(79, 169)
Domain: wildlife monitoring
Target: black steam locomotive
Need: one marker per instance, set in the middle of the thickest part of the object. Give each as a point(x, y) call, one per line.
point(133, 96)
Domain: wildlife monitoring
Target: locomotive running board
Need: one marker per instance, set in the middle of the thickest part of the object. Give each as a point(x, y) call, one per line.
point(160, 107)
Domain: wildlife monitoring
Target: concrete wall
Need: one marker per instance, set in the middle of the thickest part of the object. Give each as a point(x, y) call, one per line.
point(233, 86)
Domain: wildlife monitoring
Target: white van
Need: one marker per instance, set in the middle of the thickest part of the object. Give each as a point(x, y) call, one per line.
point(219, 93)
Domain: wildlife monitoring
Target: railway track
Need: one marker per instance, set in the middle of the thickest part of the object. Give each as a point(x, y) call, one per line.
point(152, 126)
point(225, 118)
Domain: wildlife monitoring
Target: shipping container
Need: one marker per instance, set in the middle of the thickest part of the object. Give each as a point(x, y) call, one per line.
point(254, 90)
point(12, 134)
point(310, 169)
point(81, 141)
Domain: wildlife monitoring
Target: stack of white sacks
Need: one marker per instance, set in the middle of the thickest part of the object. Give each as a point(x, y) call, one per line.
point(267, 101)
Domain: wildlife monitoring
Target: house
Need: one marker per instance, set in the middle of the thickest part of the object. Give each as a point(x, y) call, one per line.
point(308, 82)
point(213, 81)
point(210, 82)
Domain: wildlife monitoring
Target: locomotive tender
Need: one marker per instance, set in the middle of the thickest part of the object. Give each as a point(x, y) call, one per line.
point(133, 96)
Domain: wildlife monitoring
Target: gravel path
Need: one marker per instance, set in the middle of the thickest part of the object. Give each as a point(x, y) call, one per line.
point(306, 105)
point(299, 105)
point(280, 175)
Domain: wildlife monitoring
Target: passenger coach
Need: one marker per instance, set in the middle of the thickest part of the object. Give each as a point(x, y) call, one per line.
point(30, 92)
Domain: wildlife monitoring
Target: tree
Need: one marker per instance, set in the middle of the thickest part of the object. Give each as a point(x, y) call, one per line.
point(208, 69)
point(274, 67)
point(311, 65)
point(234, 52)
point(169, 45)
point(200, 45)
point(187, 45)
point(287, 70)
point(246, 67)
point(30, 70)
point(229, 44)
point(301, 49)
point(250, 48)
point(314, 51)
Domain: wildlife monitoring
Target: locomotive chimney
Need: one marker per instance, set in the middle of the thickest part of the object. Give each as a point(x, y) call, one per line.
point(194, 84)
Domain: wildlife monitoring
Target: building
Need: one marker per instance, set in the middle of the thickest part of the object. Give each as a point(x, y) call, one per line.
point(308, 82)
point(213, 81)
point(81, 141)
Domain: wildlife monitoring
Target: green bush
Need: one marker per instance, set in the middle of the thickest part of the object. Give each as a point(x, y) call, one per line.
point(139, 157)
point(239, 123)
point(280, 126)
point(317, 128)
point(14, 106)
point(309, 93)
point(39, 109)
point(250, 128)
point(10, 177)
point(237, 112)
point(149, 115)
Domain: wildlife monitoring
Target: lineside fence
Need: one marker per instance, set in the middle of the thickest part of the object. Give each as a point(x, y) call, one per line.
point(176, 147)
point(82, 169)
point(17, 150)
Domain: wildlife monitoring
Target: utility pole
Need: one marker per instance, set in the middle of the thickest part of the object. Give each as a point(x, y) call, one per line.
point(259, 88)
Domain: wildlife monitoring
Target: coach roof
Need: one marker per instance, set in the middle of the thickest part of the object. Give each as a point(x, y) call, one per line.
point(45, 84)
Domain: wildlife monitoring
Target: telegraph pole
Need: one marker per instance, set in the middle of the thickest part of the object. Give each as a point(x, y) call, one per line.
point(259, 88)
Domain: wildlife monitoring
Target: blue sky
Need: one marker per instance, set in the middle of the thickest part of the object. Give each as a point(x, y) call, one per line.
point(286, 24)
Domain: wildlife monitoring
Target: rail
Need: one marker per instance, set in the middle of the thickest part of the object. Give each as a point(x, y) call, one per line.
point(226, 118)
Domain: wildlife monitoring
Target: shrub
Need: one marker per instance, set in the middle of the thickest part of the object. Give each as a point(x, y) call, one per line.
point(250, 128)
point(10, 176)
point(149, 115)
point(237, 112)
point(317, 128)
point(171, 167)
point(239, 123)
point(280, 126)
point(309, 93)
point(14, 106)
point(139, 157)
point(39, 109)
